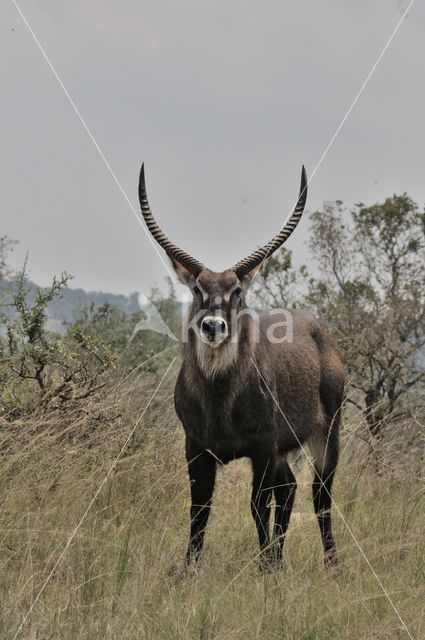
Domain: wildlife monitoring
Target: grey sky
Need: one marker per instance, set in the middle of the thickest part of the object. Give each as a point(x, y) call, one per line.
point(222, 100)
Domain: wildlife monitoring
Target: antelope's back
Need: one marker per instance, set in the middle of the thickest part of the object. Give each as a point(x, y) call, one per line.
point(303, 367)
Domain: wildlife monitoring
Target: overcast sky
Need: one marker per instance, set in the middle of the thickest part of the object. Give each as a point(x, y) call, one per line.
point(223, 101)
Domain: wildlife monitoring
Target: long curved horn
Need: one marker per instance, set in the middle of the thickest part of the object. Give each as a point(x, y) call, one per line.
point(180, 256)
point(243, 267)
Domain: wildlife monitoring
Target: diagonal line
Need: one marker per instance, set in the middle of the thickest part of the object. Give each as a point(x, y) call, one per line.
point(92, 138)
point(303, 449)
point(75, 531)
point(350, 108)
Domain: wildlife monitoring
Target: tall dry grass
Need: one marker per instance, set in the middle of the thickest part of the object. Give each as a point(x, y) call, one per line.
point(121, 575)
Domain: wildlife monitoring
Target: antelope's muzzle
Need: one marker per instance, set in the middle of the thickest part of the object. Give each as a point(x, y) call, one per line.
point(214, 329)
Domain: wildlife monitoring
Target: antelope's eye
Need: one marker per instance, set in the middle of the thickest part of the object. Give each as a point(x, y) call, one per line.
point(236, 292)
point(197, 294)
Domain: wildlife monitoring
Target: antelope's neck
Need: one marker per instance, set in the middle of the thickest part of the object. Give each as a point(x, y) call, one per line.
point(229, 359)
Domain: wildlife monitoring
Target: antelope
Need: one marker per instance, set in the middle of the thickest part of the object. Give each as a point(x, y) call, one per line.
point(247, 390)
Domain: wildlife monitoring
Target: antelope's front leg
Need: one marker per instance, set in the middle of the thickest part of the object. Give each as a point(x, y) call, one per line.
point(202, 471)
point(262, 487)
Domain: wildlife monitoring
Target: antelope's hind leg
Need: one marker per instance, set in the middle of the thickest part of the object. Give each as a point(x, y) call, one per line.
point(285, 487)
point(325, 454)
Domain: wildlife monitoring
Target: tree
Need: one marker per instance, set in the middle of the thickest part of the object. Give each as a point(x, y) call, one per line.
point(40, 369)
point(371, 290)
point(278, 283)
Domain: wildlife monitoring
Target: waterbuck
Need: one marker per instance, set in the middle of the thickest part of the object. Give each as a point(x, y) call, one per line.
point(255, 386)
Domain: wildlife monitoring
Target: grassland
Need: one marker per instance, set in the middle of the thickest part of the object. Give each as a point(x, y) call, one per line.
point(120, 576)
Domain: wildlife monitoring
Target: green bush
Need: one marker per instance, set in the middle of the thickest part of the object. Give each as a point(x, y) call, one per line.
point(43, 370)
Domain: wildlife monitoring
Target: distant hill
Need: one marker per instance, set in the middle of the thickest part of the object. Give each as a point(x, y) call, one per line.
point(65, 307)
point(69, 304)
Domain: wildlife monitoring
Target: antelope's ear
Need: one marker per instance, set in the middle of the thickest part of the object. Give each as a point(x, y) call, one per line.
point(250, 276)
point(184, 276)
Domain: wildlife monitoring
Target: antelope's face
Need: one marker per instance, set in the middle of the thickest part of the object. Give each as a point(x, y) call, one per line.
point(217, 299)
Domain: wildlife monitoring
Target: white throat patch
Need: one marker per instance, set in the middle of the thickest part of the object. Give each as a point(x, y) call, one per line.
point(216, 361)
